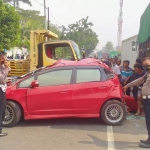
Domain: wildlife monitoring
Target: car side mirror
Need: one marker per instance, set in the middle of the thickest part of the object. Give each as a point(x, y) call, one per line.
point(34, 84)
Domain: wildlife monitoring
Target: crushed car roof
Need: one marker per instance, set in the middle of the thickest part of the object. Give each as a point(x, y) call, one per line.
point(83, 62)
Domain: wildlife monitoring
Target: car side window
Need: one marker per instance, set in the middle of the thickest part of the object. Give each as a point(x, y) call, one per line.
point(88, 75)
point(52, 78)
point(109, 74)
point(26, 83)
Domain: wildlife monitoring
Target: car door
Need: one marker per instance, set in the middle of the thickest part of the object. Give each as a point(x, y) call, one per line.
point(53, 96)
point(88, 91)
point(19, 92)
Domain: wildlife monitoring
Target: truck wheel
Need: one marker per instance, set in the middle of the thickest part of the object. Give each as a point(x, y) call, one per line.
point(12, 114)
point(113, 112)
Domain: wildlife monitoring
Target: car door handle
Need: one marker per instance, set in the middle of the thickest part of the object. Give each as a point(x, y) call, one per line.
point(102, 87)
point(64, 91)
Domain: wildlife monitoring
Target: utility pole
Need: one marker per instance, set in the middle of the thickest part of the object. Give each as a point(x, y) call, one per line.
point(120, 21)
point(48, 19)
point(14, 4)
point(45, 14)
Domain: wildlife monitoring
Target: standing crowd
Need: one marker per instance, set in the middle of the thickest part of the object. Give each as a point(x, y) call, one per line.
point(126, 75)
point(139, 80)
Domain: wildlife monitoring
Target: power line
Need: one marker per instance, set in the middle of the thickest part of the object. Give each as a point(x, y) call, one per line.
point(39, 3)
point(55, 19)
point(49, 13)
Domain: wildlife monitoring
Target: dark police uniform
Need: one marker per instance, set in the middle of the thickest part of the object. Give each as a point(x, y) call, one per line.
point(146, 100)
point(3, 75)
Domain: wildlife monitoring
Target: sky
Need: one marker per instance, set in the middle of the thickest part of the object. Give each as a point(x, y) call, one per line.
point(102, 13)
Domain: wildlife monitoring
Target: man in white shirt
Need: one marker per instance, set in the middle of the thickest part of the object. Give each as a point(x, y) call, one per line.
point(115, 67)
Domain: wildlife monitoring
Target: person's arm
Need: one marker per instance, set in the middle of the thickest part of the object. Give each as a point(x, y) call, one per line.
point(7, 68)
point(135, 82)
point(128, 78)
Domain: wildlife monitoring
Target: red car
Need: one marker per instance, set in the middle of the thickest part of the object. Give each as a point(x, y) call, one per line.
point(84, 89)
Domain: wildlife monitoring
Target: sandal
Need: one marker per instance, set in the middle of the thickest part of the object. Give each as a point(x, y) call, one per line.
point(137, 114)
point(142, 115)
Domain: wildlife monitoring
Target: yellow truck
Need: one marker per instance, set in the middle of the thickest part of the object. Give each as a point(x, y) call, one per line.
point(45, 49)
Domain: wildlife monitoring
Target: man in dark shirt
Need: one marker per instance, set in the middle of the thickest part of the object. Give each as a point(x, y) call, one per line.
point(126, 73)
point(139, 72)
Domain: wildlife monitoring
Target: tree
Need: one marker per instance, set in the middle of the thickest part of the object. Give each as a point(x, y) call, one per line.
point(55, 29)
point(109, 46)
point(9, 26)
point(30, 20)
point(16, 2)
point(82, 34)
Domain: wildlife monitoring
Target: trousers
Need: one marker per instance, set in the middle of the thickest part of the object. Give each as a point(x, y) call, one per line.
point(146, 105)
point(2, 107)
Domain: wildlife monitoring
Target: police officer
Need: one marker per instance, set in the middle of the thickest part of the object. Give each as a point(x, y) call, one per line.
point(4, 70)
point(145, 97)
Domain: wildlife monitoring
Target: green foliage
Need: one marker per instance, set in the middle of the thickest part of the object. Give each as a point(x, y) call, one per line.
point(16, 25)
point(9, 26)
point(82, 34)
point(23, 43)
point(56, 29)
point(16, 2)
point(63, 52)
point(109, 46)
point(30, 20)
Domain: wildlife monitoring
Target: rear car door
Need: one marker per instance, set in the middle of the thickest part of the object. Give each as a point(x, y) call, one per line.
point(53, 96)
point(89, 90)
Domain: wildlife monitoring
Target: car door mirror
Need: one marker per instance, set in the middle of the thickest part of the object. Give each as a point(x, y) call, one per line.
point(34, 84)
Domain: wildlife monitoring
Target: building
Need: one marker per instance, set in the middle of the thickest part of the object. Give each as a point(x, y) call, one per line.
point(127, 52)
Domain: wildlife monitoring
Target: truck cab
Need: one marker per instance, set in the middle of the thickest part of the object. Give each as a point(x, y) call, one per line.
point(45, 49)
point(50, 52)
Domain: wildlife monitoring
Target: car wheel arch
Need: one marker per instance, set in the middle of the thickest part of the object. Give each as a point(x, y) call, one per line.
point(102, 104)
point(21, 107)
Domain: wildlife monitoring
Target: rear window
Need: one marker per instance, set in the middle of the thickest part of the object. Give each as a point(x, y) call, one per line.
point(88, 75)
point(109, 74)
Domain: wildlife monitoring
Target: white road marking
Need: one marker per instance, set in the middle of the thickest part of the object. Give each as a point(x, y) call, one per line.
point(110, 138)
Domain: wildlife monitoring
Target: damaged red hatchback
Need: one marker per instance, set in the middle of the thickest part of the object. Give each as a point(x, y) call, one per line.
point(84, 89)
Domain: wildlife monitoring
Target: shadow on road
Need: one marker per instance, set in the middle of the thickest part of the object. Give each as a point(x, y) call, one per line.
point(61, 122)
point(118, 144)
point(134, 127)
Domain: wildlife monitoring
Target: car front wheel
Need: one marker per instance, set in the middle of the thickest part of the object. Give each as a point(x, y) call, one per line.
point(113, 112)
point(12, 114)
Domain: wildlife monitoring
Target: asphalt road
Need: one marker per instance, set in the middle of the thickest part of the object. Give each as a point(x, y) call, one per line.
point(74, 134)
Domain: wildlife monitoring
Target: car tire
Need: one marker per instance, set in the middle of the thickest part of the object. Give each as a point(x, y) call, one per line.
point(12, 114)
point(113, 112)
